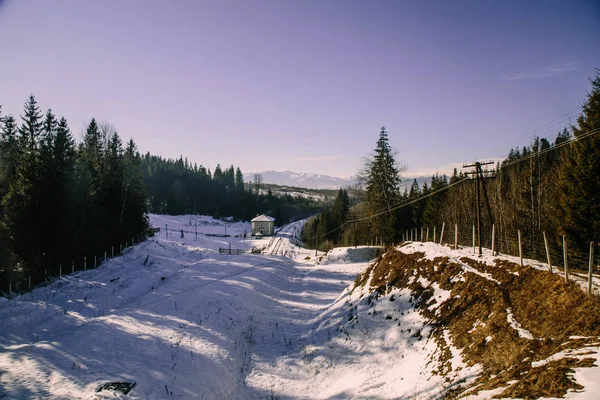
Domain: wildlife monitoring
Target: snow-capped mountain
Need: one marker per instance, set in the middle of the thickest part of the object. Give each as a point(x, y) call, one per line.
point(318, 181)
point(302, 179)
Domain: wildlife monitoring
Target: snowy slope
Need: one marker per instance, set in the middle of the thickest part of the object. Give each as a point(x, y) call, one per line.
point(192, 323)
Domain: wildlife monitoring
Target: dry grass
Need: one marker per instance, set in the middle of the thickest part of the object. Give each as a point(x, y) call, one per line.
point(550, 309)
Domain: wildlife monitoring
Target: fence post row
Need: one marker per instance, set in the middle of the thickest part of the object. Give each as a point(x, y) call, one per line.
point(493, 239)
point(442, 234)
point(547, 252)
point(591, 267)
point(455, 236)
point(473, 239)
point(520, 247)
point(566, 261)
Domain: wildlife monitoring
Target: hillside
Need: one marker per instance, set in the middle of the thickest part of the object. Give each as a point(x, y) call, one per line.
point(183, 321)
point(499, 329)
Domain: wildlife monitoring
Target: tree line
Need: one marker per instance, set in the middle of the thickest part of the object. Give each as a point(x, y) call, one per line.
point(60, 200)
point(550, 187)
point(176, 186)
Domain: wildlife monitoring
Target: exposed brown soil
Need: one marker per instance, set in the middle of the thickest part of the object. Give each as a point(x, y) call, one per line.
point(477, 319)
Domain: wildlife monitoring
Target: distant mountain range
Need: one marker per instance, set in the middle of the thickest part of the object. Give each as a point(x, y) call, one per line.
point(302, 179)
point(314, 181)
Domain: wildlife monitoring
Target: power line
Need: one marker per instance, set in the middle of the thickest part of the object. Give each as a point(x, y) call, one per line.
point(551, 148)
point(402, 205)
point(545, 129)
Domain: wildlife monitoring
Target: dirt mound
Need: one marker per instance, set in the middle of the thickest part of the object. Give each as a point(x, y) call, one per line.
point(527, 329)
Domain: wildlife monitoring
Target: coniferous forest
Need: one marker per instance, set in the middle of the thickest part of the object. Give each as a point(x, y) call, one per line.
point(547, 187)
point(179, 187)
point(63, 202)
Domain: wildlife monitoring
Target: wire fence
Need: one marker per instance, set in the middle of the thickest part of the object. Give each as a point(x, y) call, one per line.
point(18, 280)
point(550, 250)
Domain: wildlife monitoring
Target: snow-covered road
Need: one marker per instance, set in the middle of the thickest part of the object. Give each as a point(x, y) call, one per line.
point(191, 323)
point(185, 322)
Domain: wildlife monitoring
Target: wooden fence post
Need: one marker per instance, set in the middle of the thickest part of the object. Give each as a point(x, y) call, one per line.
point(84, 263)
point(60, 270)
point(442, 234)
point(520, 247)
point(427, 235)
point(547, 252)
point(104, 255)
point(407, 236)
point(493, 239)
point(72, 267)
point(455, 236)
point(566, 261)
point(473, 239)
point(95, 262)
point(112, 251)
point(591, 267)
point(421, 234)
point(29, 282)
point(434, 234)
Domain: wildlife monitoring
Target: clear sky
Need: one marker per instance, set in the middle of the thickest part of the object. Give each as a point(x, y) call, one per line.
point(303, 85)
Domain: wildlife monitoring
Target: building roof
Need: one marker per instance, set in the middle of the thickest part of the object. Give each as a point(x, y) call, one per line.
point(263, 218)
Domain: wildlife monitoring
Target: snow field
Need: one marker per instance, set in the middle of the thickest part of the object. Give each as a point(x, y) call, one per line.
point(192, 323)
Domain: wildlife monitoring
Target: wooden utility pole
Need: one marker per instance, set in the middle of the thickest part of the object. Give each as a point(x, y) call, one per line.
point(478, 172)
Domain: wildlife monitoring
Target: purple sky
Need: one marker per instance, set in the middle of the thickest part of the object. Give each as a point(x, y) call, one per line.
point(304, 85)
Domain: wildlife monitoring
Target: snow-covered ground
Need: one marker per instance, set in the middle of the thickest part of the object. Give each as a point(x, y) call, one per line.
point(183, 321)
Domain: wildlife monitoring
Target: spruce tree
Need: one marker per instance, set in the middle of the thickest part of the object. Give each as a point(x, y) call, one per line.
point(383, 189)
point(31, 128)
point(9, 154)
point(239, 181)
point(23, 212)
point(579, 201)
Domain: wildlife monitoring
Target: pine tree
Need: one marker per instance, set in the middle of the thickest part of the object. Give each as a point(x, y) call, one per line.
point(383, 188)
point(218, 174)
point(579, 202)
point(239, 181)
point(31, 128)
point(434, 203)
point(133, 219)
point(21, 204)
point(9, 154)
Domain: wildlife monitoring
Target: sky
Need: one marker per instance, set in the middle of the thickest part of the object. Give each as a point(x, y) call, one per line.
point(305, 85)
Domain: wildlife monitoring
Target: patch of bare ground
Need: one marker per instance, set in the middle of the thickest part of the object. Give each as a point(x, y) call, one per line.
point(506, 318)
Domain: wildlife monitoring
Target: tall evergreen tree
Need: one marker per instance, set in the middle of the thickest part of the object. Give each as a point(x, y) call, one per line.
point(239, 181)
point(383, 188)
point(579, 202)
point(31, 128)
point(9, 154)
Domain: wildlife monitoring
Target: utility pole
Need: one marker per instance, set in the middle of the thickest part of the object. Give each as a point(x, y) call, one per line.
point(478, 172)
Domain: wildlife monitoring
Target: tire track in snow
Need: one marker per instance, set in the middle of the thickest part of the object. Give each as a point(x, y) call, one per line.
point(111, 312)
